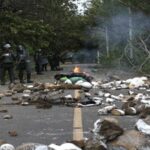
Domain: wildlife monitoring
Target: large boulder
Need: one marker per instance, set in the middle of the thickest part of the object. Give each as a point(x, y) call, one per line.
point(130, 140)
point(110, 130)
point(92, 145)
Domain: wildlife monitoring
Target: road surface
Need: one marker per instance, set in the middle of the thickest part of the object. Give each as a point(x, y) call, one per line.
point(54, 125)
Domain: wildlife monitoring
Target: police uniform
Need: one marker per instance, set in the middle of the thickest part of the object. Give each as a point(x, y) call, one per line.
point(7, 59)
point(23, 64)
point(38, 61)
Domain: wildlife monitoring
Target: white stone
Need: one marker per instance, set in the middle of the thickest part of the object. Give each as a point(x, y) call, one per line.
point(27, 91)
point(101, 94)
point(24, 103)
point(88, 94)
point(7, 117)
point(107, 95)
point(69, 96)
point(97, 126)
point(145, 101)
point(110, 100)
point(124, 86)
point(105, 110)
point(115, 97)
point(97, 100)
point(25, 95)
point(95, 84)
point(139, 96)
point(136, 82)
point(143, 127)
point(7, 147)
point(68, 81)
point(30, 86)
point(130, 92)
point(65, 146)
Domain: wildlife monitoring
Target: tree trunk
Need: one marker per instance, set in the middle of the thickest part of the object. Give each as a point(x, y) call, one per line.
point(98, 57)
point(107, 41)
point(130, 32)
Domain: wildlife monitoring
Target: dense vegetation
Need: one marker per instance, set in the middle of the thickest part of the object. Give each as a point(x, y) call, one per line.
point(122, 31)
point(118, 29)
point(49, 24)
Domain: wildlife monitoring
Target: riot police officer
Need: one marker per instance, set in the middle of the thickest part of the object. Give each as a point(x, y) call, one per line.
point(7, 59)
point(38, 61)
point(23, 64)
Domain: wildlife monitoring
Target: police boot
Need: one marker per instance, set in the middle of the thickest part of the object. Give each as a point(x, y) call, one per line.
point(21, 77)
point(29, 78)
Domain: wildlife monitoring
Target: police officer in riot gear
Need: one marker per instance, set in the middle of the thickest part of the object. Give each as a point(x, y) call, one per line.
point(7, 59)
point(38, 61)
point(23, 64)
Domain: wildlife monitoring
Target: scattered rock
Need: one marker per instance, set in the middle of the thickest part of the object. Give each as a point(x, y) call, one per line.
point(32, 146)
point(130, 111)
point(112, 119)
point(3, 110)
point(14, 98)
point(128, 104)
point(27, 91)
point(107, 95)
point(99, 145)
point(26, 96)
point(8, 94)
point(110, 130)
point(100, 93)
point(130, 140)
point(30, 87)
point(12, 133)
point(65, 146)
point(7, 147)
point(145, 112)
point(110, 100)
point(106, 110)
point(143, 127)
point(7, 117)
point(117, 112)
point(17, 87)
point(25, 103)
point(88, 95)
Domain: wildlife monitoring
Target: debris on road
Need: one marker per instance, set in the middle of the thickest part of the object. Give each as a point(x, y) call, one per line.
point(143, 127)
point(3, 110)
point(7, 147)
point(65, 146)
point(118, 98)
point(12, 133)
point(7, 117)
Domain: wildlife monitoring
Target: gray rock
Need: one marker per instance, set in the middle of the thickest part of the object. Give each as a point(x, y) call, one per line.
point(32, 146)
point(3, 110)
point(110, 130)
point(130, 140)
point(7, 116)
point(14, 98)
point(92, 145)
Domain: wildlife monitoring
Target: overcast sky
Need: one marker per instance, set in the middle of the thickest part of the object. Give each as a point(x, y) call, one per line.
point(80, 4)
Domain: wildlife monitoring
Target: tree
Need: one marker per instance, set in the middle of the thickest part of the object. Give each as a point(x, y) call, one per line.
point(51, 24)
point(120, 23)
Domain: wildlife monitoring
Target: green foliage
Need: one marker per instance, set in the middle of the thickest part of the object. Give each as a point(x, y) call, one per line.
point(17, 30)
point(49, 24)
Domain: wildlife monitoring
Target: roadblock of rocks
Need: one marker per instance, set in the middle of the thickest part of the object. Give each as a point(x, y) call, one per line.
point(115, 99)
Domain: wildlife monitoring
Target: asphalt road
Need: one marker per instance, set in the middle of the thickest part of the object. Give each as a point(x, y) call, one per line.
point(54, 125)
